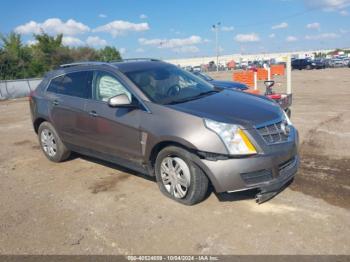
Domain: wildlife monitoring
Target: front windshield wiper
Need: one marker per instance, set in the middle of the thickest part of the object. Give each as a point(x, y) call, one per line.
point(206, 93)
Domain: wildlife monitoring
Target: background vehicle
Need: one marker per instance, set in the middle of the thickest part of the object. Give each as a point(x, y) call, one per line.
point(284, 100)
point(327, 62)
point(197, 69)
point(303, 64)
point(346, 61)
point(336, 62)
point(212, 66)
point(188, 68)
point(160, 120)
point(319, 63)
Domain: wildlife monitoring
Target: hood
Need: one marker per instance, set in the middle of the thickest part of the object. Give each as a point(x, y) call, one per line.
point(228, 84)
point(235, 107)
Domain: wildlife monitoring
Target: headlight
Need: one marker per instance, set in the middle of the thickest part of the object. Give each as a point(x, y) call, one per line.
point(235, 140)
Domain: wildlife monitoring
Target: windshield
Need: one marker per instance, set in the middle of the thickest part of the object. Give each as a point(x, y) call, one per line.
point(170, 84)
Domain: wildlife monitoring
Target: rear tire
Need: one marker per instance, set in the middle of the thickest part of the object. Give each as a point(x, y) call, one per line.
point(179, 178)
point(51, 144)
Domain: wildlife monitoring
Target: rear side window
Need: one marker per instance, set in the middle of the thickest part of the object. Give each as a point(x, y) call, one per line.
point(54, 84)
point(78, 84)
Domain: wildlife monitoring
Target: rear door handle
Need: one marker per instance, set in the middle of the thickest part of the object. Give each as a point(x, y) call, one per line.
point(93, 113)
point(55, 102)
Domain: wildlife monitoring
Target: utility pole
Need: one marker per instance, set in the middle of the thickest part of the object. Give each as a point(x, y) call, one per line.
point(216, 27)
point(289, 74)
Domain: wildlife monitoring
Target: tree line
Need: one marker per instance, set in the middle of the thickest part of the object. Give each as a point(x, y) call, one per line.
point(18, 60)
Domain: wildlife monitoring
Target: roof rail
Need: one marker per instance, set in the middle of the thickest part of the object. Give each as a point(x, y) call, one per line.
point(87, 63)
point(135, 59)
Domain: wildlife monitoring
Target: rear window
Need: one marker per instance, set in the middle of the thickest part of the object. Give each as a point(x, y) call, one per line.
point(78, 84)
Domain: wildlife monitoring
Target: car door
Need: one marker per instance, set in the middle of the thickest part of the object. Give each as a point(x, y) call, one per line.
point(295, 64)
point(113, 131)
point(68, 95)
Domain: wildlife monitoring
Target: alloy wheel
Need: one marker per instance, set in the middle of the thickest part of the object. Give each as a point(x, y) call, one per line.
point(48, 142)
point(176, 176)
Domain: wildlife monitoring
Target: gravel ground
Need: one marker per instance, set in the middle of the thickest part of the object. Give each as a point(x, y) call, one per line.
point(86, 206)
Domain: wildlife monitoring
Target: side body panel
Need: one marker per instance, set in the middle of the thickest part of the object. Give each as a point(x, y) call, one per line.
point(114, 131)
point(68, 116)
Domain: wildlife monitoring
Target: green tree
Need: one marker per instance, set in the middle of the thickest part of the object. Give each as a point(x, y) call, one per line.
point(14, 57)
point(48, 52)
point(80, 54)
point(109, 53)
point(319, 55)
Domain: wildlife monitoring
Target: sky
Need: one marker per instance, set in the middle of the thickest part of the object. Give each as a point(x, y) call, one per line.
point(184, 28)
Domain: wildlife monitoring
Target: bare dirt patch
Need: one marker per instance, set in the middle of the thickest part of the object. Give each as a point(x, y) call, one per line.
point(322, 174)
point(107, 183)
point(22, 142)
point(324, 178)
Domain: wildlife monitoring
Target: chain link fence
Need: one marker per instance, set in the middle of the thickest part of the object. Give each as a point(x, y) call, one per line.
point(10, 89)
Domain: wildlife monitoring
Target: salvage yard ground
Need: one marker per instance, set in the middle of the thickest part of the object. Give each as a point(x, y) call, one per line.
point(86, 206)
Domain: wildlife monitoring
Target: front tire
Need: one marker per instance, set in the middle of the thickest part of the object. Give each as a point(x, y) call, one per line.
point(51, 144)
point(179, 178)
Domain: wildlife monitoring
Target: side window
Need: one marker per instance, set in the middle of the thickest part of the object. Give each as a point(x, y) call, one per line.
point(77, 84)
point(54, 84)
point(107, 86)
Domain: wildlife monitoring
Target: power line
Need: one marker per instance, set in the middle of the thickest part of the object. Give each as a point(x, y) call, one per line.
point(269, 21)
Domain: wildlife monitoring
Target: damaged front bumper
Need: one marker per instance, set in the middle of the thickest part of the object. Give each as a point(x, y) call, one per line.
point(272, 188)
point(268, 172)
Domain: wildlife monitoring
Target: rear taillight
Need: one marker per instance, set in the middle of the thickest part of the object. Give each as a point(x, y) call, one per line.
point(31, 94)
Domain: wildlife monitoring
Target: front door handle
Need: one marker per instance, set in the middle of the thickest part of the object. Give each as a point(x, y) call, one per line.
point(93, 113)
point(55, 102)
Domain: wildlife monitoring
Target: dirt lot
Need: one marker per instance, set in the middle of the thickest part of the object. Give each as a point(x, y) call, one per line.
point(85, 206)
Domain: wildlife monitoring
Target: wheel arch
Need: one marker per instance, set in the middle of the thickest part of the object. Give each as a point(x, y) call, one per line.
point(37, 122)
point(163, 144)
point(196, 158)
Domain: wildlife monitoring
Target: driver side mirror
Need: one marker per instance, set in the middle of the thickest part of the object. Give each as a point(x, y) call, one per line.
point(121, 100)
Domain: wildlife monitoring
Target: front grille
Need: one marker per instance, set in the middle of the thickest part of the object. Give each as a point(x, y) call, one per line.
point(256, 177)
point(273, 133)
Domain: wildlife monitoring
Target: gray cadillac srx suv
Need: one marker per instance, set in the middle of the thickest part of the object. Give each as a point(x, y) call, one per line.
point(157, 119)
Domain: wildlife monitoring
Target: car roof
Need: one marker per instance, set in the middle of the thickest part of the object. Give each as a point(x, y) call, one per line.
point(138, 65)
point(127, 65)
